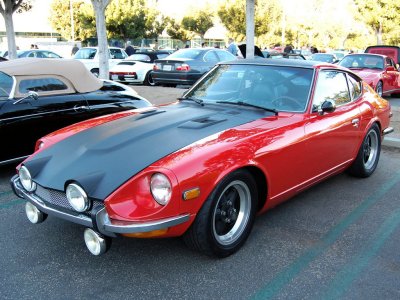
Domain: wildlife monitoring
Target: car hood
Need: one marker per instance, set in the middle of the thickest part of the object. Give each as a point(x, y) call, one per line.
point(102, 158)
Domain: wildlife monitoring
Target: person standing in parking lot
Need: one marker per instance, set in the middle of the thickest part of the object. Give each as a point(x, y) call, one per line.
point(232, 48)
point(129, 49)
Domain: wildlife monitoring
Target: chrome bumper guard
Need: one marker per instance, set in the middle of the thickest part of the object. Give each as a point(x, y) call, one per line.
point(99, 220)
point(388, 130)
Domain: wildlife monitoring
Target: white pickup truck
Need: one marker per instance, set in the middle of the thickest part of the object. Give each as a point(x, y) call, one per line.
point(90, 58)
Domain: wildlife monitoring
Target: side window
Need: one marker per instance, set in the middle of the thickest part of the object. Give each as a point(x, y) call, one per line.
point(331, 85)
point(41, 85)
point(32, 54)
point(211, 57)
point(354, 87)
point(225, 56)
point(116, 54)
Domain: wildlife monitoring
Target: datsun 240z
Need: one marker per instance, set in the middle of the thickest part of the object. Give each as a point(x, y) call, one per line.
point(246, 137)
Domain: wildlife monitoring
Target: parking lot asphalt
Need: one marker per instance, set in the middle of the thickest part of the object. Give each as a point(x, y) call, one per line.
point(161, 95)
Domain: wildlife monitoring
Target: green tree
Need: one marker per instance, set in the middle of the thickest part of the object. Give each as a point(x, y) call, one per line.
point(198, 23)
point(380, 15)
point(60, 19)
point(7, 9)
point(268, 15)
point(176, 31)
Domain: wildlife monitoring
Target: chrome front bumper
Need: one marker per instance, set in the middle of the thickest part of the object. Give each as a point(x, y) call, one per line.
point(98, 219)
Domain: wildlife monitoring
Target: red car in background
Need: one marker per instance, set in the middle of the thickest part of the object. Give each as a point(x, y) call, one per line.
point(379, 71)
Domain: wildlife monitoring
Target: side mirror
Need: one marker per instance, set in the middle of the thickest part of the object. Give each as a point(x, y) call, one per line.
point(31, 95)
point(327, 106)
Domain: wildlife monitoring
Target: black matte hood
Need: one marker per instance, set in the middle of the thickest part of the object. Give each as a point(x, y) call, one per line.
point(104, 157)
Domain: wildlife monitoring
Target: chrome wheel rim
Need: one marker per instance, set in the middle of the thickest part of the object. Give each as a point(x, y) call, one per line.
point(150, 79)
point(231, 213)
point(370, 149)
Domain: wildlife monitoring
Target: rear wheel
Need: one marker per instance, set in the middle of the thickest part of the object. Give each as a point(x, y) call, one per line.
point(95, 72)
point(224, 222)
point(368, 155)
point(148, 80)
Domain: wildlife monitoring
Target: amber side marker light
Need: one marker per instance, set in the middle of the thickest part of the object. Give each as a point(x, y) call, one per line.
point(191, 194)
point(149, 234)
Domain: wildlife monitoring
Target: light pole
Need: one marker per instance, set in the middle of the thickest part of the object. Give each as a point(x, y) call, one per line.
point(71, 11)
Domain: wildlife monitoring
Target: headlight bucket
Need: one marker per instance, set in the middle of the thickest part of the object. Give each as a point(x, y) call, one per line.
point(77, 197)
point(26, 179)
point(161, 188)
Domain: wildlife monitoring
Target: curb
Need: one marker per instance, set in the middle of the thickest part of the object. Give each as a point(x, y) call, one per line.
point(391, 142)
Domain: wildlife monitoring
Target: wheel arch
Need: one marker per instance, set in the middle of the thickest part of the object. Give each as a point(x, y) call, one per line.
point(262, 184)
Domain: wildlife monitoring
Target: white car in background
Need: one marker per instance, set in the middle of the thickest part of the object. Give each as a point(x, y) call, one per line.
point(137, 68)
point(90, 58)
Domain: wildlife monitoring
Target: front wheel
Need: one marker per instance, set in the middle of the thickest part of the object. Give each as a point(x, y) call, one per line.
point(379, 88)
point(224, 222)
point(368, 154)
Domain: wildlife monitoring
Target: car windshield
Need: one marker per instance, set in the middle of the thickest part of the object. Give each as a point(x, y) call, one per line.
point(186, 53)
point(271, 87)
point(322, 57)
point(362, 61)
point(6, 83)
point(85, 53)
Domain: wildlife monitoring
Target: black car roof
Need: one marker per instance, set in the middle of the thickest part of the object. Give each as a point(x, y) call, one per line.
point(277, 62)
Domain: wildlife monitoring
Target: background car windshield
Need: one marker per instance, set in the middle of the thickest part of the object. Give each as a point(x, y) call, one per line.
point(322, 57)
point(362, 61)
point(87, 53)
point(6, 83)
point(186, 53)
point(275, 87)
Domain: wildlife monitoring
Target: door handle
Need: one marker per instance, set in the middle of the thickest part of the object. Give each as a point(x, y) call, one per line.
point(355, 122)
point(81, 108)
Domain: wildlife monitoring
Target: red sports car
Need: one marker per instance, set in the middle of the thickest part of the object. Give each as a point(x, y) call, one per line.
point(379, 71)
point(246, 137)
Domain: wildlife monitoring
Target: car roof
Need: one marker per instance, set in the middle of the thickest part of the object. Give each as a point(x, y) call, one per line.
point(73, 70)
point(279, 62)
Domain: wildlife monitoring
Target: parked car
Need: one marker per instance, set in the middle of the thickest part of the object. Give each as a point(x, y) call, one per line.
point(340, 54)
point(137, 68)
point(275, 55)
point(391, 51)
point(324, 57)
point(379, 71)
point(35, 53)
point(248, 136)
point(38, 96)
point(186, 66)
point(89, 56)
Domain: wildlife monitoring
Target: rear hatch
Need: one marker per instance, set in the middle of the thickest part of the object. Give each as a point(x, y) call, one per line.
point(390, 51)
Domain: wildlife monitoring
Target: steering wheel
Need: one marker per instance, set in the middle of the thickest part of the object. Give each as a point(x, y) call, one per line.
point(287, 102)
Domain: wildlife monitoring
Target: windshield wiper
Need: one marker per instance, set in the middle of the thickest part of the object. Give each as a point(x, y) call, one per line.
point(241, 103)
point(197, 100)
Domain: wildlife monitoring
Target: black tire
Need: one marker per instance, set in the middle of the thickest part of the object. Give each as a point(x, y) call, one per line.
point(148, 80)
point(226, 218)
point(379, 88)
point(368, 155)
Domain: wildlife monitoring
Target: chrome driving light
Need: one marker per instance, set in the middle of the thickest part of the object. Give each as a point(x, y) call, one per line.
point(34, 215)
point(161, 189)
point(77, 197)
point(95, 242)
point(26, 179)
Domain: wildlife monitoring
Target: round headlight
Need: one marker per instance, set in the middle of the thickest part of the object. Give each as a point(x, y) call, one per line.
point(161, 189)
point(26, 179)
point(77, 197)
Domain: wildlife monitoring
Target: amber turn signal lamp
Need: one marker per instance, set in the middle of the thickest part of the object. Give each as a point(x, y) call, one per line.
point(149, 234)
point(191, 194)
